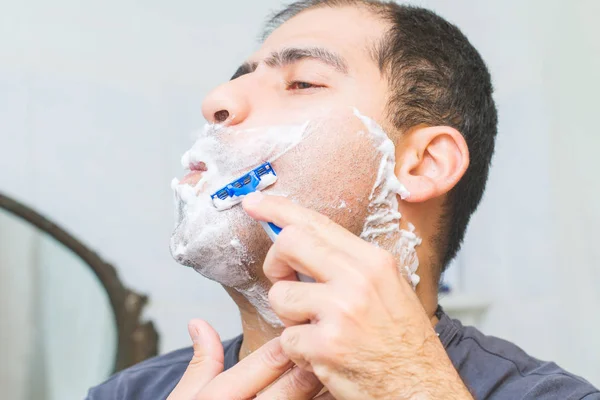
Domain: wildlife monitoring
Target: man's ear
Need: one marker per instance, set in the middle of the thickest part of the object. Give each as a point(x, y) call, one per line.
point(430, 161)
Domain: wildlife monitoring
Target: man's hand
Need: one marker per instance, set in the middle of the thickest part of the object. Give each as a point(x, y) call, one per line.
point(360, 328)
point(204, 379)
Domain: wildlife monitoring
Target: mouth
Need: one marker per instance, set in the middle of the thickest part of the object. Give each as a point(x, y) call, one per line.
point(197, 169)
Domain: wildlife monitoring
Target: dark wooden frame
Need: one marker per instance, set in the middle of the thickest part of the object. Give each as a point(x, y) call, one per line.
point(137, 340)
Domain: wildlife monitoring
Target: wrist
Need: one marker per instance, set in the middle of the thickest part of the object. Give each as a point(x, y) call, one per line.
point(431, 375)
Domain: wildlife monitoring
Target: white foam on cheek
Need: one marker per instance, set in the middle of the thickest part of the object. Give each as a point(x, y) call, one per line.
point(383, 220)
point(229, 153)
point(205, 238)
point(408, 255)
point(206, 241)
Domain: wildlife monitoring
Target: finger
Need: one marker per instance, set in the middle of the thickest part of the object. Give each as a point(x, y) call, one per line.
point(311, 244)
point(325, 396)
point(251, 375)
point(297, 384)
point(298, 302)
point(283, 212)
point(297, 249)
point(277, 209)
point(206, 362)
point(300, 344)
point(363, 267)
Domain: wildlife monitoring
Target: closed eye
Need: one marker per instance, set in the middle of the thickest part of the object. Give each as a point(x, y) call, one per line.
point(300, 85)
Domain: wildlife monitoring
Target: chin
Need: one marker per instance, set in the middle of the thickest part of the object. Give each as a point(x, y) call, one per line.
point(222, 246)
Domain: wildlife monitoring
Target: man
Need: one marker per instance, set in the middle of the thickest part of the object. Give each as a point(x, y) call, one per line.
point(330, 78)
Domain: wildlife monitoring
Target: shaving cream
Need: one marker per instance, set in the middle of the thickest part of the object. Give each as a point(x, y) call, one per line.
point(229, 247)
point(209, 240)
point(383, 220)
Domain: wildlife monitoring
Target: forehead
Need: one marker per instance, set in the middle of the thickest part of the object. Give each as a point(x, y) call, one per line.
point(349, 31)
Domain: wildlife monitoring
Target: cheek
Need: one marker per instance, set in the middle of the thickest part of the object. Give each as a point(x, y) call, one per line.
point(333, 173)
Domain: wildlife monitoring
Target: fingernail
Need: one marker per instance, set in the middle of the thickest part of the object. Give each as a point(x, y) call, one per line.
point(253, 198)
point(194, 333)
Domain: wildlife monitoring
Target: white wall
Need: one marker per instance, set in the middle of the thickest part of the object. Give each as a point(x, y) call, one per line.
point(97, 103)
point(530, 249)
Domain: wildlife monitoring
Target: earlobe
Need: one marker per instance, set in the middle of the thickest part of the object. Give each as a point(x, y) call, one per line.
point(431, 161)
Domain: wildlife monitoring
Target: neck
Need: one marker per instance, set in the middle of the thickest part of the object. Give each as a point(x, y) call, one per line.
point(256, 330)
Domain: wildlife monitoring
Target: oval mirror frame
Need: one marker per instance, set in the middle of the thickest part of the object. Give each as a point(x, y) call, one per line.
point(136, 340)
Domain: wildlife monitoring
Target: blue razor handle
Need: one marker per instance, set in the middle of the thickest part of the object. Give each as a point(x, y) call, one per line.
point(273, 230)
point(274, 227)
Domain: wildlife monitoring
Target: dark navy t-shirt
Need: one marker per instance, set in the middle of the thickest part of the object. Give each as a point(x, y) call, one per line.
point(491, 368)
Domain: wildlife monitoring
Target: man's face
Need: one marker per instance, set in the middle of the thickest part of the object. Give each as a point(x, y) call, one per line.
point(282, 83)
point(293, 103)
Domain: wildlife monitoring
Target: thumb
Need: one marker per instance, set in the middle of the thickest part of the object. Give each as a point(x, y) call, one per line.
point(208, 350)
point(206, 363)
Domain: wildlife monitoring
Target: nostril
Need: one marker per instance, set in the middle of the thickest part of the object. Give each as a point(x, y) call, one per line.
point(221, 116)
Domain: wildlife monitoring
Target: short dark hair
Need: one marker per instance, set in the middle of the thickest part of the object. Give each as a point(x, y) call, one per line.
point(436, 77)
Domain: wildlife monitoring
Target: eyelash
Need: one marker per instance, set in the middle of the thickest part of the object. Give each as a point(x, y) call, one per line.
point(289, 85)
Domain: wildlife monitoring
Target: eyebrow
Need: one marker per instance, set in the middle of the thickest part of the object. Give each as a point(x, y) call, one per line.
point(288, 56)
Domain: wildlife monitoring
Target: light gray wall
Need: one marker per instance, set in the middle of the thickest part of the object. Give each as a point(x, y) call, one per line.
point(97, 102)
point(531, 247)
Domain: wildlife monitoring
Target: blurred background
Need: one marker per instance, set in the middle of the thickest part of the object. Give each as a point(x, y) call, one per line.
point(99, 100)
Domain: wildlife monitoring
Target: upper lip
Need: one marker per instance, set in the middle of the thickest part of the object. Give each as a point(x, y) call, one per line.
point(196, 170)
point(197, 166)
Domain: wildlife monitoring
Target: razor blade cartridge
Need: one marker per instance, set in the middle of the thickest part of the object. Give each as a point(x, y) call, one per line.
point(233, 193)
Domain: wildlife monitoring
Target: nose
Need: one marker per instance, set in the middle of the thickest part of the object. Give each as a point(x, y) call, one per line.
point(227, 102)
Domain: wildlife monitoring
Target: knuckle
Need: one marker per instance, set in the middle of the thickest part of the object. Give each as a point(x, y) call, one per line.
point(273, 357)
point(204, 361)
point(384, 261)
point(288, 339)
point(331, 339)
point(302, 381)
point(357, 295)
point(290, 296)
point(323, 373)
point(354, 306)
point(290, 344)
point(288, 237)
point(317, 221)
point(281, 292)
point(381, 267)
point(274, 294)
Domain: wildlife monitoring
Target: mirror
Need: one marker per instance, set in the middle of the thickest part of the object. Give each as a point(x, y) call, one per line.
point(66, 321)
point(58, 334)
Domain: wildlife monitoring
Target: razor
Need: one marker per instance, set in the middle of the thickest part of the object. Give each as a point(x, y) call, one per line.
point(234, 192)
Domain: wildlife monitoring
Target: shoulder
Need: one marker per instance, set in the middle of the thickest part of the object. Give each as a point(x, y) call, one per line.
point(494, 368)
point(152, 379)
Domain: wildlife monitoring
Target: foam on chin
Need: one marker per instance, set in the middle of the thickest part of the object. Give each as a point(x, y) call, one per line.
point(214, 242)
point(207, 239)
